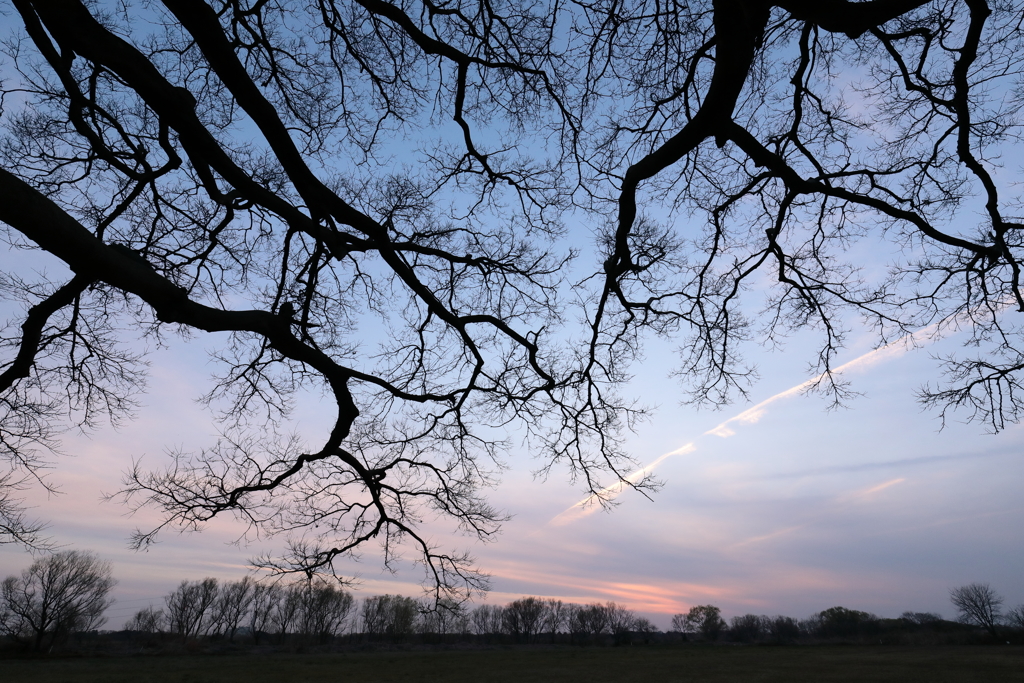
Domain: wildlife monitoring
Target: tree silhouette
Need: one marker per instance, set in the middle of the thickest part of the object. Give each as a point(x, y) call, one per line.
point(977, 604)
point(59, 594)
point(702, 620)
point(190, 608)
point(368, 200)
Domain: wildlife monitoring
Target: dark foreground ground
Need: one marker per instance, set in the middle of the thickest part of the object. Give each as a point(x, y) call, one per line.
point(554, 665)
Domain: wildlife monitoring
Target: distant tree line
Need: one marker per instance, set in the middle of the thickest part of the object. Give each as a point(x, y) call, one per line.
point(66, 593)
point(311, 611)
point(534, 619)
point(978, 607)
point(705, 623)
point(316, 612)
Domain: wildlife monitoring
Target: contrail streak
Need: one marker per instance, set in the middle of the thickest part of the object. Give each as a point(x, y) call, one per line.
point(589, 504)
point(890, 350)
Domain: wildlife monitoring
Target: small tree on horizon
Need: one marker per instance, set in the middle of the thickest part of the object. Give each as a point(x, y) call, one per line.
point(840, 622)
point(232, 605)
point(702, 620)
point(189, 607)
point(487, 620)
point(524, 618)
point(147, 620)
point(977, 604)
point(389, 615)
point(57, 595)
point(747, 628)
point(1015, 617)
point(265, 598)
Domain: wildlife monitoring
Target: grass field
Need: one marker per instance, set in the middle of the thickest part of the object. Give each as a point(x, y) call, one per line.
point(526, 665)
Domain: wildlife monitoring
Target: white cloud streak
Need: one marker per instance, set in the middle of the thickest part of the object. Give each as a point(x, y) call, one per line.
point(592, 503)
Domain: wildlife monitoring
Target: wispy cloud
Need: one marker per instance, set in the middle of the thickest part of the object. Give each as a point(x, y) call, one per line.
point(768, 536)
point(815, 516)
point(900, 463)
point(664, 597)
point(878, 487)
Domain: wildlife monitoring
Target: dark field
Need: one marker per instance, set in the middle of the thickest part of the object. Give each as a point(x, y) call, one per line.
point(590, 665)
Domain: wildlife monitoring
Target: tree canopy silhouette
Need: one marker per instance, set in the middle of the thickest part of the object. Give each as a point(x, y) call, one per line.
point(369, 199)
point(59, 594)
point(978, 604)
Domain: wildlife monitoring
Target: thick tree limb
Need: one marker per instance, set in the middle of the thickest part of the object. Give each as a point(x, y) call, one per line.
point(852, 18)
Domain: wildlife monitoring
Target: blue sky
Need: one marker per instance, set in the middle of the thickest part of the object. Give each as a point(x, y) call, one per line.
point(789, 508)
point(871, 506)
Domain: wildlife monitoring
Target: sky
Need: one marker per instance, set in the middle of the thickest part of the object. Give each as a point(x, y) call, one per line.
point(772, 506)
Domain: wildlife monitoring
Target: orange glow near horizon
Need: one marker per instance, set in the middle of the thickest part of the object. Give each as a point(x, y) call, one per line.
point(670, 598)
